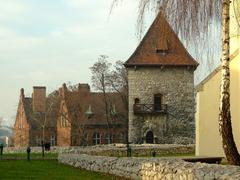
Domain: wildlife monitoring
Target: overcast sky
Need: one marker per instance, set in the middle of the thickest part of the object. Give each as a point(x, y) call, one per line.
point(49, 42)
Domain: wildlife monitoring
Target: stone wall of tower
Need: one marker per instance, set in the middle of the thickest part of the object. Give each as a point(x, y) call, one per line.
point(176, 84)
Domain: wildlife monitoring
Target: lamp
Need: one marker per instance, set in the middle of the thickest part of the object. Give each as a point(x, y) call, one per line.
point(113, 111)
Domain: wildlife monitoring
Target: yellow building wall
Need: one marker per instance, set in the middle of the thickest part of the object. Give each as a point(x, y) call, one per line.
point(208, 140)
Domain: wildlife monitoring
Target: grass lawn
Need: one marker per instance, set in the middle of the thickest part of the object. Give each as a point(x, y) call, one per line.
point(45, 169)
point(32, 155)
point(166, 155)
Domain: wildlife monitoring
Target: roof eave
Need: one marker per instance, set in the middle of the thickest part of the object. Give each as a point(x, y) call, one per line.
point(160, 65)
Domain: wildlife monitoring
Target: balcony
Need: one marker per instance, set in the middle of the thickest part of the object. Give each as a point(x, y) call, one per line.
point(139, 109)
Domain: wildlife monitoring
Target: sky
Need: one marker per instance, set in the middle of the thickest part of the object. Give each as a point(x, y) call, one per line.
point(47, 43)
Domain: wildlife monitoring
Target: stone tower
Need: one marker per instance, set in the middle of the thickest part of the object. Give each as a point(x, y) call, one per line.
point(161, 87)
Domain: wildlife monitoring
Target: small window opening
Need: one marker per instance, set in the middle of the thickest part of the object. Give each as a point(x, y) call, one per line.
point(157, 102)
point(136, 100)
point(162, 52)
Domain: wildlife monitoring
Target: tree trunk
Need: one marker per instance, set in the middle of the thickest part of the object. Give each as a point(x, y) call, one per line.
point(106, 103)
point(225, 126)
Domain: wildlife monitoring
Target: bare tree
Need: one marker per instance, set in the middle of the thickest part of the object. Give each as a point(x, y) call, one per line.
point(100, 81)
point(73, 114)
point(107, 78)
point(42, 119)
point(225, 125)
point(119, 83)
point(190, 18)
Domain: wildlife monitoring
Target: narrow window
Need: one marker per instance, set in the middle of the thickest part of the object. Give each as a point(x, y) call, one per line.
point(52, 140)
point(157, 102)
point(121, 137)
point(38, 140)
point(86, 137)
point(108, 138)
point(63, 122)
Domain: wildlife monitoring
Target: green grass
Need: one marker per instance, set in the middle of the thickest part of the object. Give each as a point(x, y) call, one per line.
point(45, 169)
point(32, 155)
point(162, 155)
point(176, 155)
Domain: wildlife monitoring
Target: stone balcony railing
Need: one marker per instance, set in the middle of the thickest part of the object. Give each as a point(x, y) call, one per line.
point(139, 109)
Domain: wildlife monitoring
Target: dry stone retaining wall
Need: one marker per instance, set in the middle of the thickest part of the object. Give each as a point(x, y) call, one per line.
point(150, 168)
point(114, 149)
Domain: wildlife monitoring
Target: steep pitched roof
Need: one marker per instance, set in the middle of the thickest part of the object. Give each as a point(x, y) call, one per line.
point(35, 119)
point(160, 46)
point(78, 102)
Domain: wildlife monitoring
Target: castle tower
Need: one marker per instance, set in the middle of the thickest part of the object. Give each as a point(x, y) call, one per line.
point(161, 87)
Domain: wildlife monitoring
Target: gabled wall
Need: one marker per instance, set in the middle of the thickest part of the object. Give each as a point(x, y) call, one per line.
point(21, 126)
point(63, 129)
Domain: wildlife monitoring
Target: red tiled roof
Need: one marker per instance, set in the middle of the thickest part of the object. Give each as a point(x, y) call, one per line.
point(78, 103)
point(37, 119)
point(161, 37)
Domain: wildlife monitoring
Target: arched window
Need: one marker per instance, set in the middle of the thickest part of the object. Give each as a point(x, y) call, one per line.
point(157, 102)
point(149, 137)
point(96, 138)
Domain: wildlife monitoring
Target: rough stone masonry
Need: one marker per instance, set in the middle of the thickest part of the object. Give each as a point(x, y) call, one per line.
point(177, 87)
point(151, 168)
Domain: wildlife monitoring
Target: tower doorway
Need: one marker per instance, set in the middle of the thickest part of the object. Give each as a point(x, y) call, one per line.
point(149, 137)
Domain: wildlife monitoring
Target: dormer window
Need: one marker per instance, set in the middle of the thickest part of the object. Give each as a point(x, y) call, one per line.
point(162, 52)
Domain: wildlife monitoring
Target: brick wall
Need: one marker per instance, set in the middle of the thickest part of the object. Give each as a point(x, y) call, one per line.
point(39, 99)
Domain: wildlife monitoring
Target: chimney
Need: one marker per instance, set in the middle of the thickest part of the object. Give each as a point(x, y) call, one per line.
point(22, 93)
point(39, 99)
point(83, 88)
point(63, 90)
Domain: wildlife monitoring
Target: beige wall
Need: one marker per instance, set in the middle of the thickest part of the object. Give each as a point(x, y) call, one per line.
point(208, 141)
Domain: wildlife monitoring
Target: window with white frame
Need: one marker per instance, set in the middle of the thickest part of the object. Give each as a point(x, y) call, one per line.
point(38, 140)
point(108, 138)
point(96, 138)
point(52, 140)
